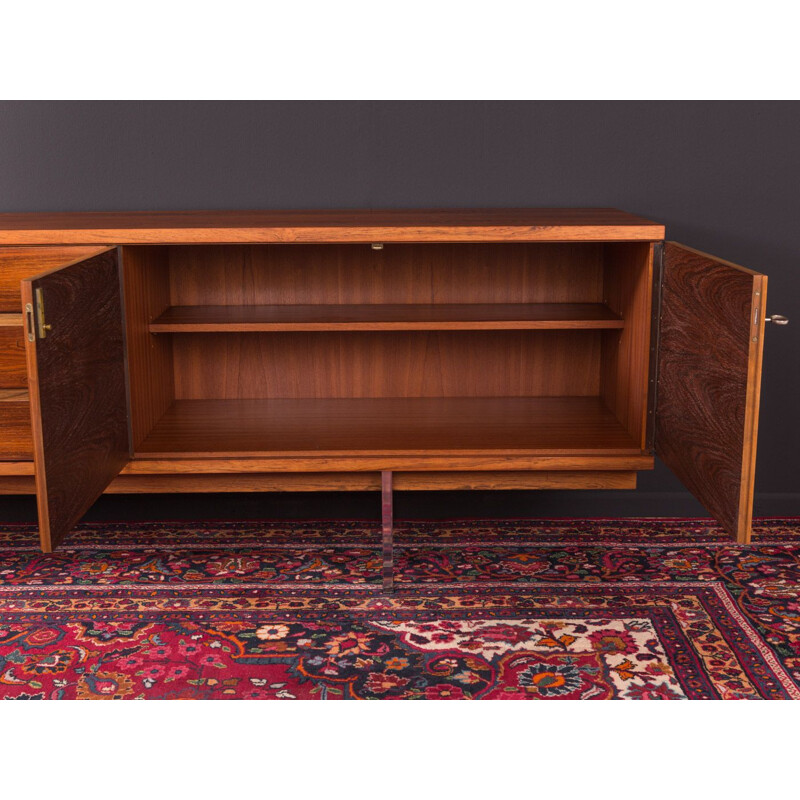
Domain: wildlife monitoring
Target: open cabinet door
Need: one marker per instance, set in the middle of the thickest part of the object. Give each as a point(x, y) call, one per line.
point(76, 376)
point(710, 340)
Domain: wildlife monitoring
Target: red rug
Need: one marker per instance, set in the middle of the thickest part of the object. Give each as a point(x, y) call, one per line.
point(513, 610)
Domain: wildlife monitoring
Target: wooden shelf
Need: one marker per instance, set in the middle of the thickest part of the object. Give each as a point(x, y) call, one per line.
point(388, 426)
point(383, 317)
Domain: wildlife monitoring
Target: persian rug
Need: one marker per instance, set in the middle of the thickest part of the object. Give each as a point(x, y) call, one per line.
point(648, 609)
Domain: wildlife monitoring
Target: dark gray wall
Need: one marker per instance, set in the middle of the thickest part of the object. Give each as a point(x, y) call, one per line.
point(724, 177)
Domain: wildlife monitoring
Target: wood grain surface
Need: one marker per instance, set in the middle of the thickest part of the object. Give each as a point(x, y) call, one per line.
point(17, 484)
point(15, 425)
point(386, 316)
point(428, 463)
point(13, 371)
point(225, 468)
point(77, 391)
point(17, 263)
point(356, 274)
point(625, 356)
point(145, 279)
point(498, 224)
point(493, 481)
point(247, 482)
point(345, 481)
point(17, 467)
point(709, 371)
point(401, 364)
point(388, 426)
point(387, 364)
point(317, 464)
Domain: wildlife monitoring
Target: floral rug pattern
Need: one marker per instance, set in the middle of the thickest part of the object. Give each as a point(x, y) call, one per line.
point(641, 609)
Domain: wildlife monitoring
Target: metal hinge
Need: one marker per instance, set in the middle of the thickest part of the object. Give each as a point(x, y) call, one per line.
point(29, 323)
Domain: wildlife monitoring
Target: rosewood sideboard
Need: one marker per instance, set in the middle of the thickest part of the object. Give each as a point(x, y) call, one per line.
point(371, 350)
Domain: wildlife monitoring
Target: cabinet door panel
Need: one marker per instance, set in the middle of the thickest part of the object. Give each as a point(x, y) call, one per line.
point(76, 377)
point(709, 375)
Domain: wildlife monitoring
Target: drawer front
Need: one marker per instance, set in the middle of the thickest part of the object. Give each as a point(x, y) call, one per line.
point(15, 426)
point(10, 277)
point(13, 371)
point(17, 263)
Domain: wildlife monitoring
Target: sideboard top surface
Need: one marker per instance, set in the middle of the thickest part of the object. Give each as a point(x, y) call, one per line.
point(319, 226)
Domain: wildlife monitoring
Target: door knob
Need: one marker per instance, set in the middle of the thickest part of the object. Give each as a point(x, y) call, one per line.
point(778, 319)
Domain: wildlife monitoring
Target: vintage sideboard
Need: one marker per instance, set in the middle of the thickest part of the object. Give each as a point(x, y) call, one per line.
point(385, 350)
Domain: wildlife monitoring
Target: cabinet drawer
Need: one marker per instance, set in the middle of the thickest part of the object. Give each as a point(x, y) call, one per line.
point(15, 425)
point(13, 371)
point(17, 263)
point(10, 277)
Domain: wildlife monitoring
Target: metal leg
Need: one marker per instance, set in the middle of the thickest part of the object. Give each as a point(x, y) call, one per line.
point(386, 526)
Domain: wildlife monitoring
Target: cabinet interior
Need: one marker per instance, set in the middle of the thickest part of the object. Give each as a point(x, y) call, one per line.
point(410, 348)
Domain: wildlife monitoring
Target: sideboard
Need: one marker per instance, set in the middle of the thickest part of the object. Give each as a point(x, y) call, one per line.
point(371, 350)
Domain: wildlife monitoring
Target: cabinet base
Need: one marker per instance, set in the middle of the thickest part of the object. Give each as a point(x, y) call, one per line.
point(347, 481)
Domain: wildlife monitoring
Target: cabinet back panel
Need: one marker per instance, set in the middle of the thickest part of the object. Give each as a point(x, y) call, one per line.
point(391, 364)
point(399, 273)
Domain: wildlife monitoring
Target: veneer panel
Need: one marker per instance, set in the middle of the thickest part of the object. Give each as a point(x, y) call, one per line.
point(145, 280)
point(346, 481)
point(709, 374)
point(389, 364)
point(77, 390)
point(404, 273)
point(628, 291)
point(17, 263)
point(248, 464)
point(13, 371)
point(493, 224)
point(15, 425)
point(388, 426)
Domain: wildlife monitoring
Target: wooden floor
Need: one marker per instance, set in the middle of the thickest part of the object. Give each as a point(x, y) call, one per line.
point(377, 426)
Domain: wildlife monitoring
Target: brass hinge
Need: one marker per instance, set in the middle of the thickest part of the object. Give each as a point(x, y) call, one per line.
point(29, 322)
point(41, 326)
